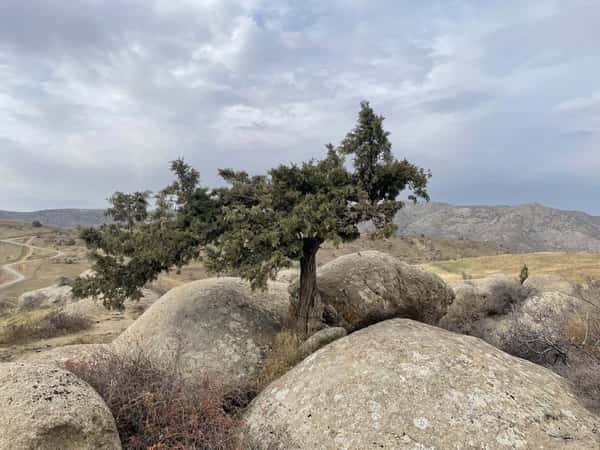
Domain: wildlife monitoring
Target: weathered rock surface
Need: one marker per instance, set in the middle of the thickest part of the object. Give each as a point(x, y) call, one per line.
point(214, 325)
point(551, 315)
point(550, 328)
point(90, 307)
point(46, 297)
point(77, 353)
point(320, 339)
point(405, 385)
point(546, 283)
point(371, 286)
point(43, 407)
point(62, 297)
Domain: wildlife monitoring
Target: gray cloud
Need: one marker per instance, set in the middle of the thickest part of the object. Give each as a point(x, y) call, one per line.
point(500, 101)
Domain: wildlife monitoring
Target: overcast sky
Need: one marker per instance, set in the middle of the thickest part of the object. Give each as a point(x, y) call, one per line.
point(500, 99)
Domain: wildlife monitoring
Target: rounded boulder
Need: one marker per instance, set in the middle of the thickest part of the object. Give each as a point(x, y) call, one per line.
point(406, 385)
point(218, 326)
point(371, 286)
point(43, 407)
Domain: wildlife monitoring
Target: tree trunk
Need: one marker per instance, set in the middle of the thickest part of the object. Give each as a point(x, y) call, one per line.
point(310, 308)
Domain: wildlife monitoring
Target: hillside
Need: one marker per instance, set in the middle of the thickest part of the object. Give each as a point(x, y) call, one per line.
point(523, 228)
point(64, 218)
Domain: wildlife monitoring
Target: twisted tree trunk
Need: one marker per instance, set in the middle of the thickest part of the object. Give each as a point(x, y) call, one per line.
point(310, 308)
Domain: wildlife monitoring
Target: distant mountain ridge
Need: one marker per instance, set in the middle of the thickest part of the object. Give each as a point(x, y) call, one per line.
point(63, 218)
point(522, 228)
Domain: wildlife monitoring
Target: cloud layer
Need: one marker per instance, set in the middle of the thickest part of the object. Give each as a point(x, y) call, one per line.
point(499, 99)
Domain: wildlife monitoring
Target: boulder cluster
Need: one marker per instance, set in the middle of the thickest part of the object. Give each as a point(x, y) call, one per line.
point(392, 368)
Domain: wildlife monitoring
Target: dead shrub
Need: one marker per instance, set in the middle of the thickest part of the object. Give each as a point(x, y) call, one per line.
point(473, 304)
point(32, 325)
point(505, 296)
point(154, 408)
point(570, 348)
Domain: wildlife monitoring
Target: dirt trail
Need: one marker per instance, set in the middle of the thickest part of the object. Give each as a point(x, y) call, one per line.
point(10, 268)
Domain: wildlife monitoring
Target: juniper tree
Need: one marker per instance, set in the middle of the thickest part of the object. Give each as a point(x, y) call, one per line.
point(377, 171)
point(259, 224)
point(271, 220)
point(139, 245)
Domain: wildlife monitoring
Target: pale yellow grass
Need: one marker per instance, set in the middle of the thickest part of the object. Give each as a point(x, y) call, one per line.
point(575, 267)
point(10, 253)
point(10, 229)
point(40, 273)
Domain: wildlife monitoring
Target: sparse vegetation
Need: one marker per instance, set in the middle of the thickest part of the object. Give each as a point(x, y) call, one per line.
point(503, 297)
point(154, 407)
point(23, 326)
point(575, 267)
point(283, 355)
point(506, 296)
point(36, 224)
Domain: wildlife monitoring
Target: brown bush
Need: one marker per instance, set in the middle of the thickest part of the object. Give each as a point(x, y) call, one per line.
point(570, 348)
point(505, 296)
point(32, 325)
point(473, 305)
point(154, 408)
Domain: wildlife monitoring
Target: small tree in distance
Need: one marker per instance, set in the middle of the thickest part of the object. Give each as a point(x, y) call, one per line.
point(259, 224)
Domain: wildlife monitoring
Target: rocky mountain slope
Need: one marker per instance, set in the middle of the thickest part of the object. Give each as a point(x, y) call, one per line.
point(64, 218)
point(523, 228)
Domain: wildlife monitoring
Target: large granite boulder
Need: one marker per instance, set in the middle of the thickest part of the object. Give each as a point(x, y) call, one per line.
point(216, 325)
point(406, 385)
point(43, 407)
point(362, 288)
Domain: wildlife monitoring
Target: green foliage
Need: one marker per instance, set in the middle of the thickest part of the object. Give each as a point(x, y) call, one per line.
point(381, 176)
point(137, 247)
point(257, 224)
point(128, 209)
point(268, 220)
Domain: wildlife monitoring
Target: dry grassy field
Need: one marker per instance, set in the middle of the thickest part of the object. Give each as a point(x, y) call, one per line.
point(10, 229)
point(10, 253)
point(42, 267)
point(410, 249)
point(575, 267)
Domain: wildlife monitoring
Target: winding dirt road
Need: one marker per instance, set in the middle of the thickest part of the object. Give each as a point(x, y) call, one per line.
point(10, 268)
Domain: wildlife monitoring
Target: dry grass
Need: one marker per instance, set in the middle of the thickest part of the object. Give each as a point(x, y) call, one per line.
point(282, 357)
point(10, 253)
point(24, 326)
point(154, 408)
point(575, 267)
point(41, 273)
point(10, 229)
point(410, 249)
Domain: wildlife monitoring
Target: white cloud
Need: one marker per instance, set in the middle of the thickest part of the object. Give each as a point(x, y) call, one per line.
point(107, 89)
